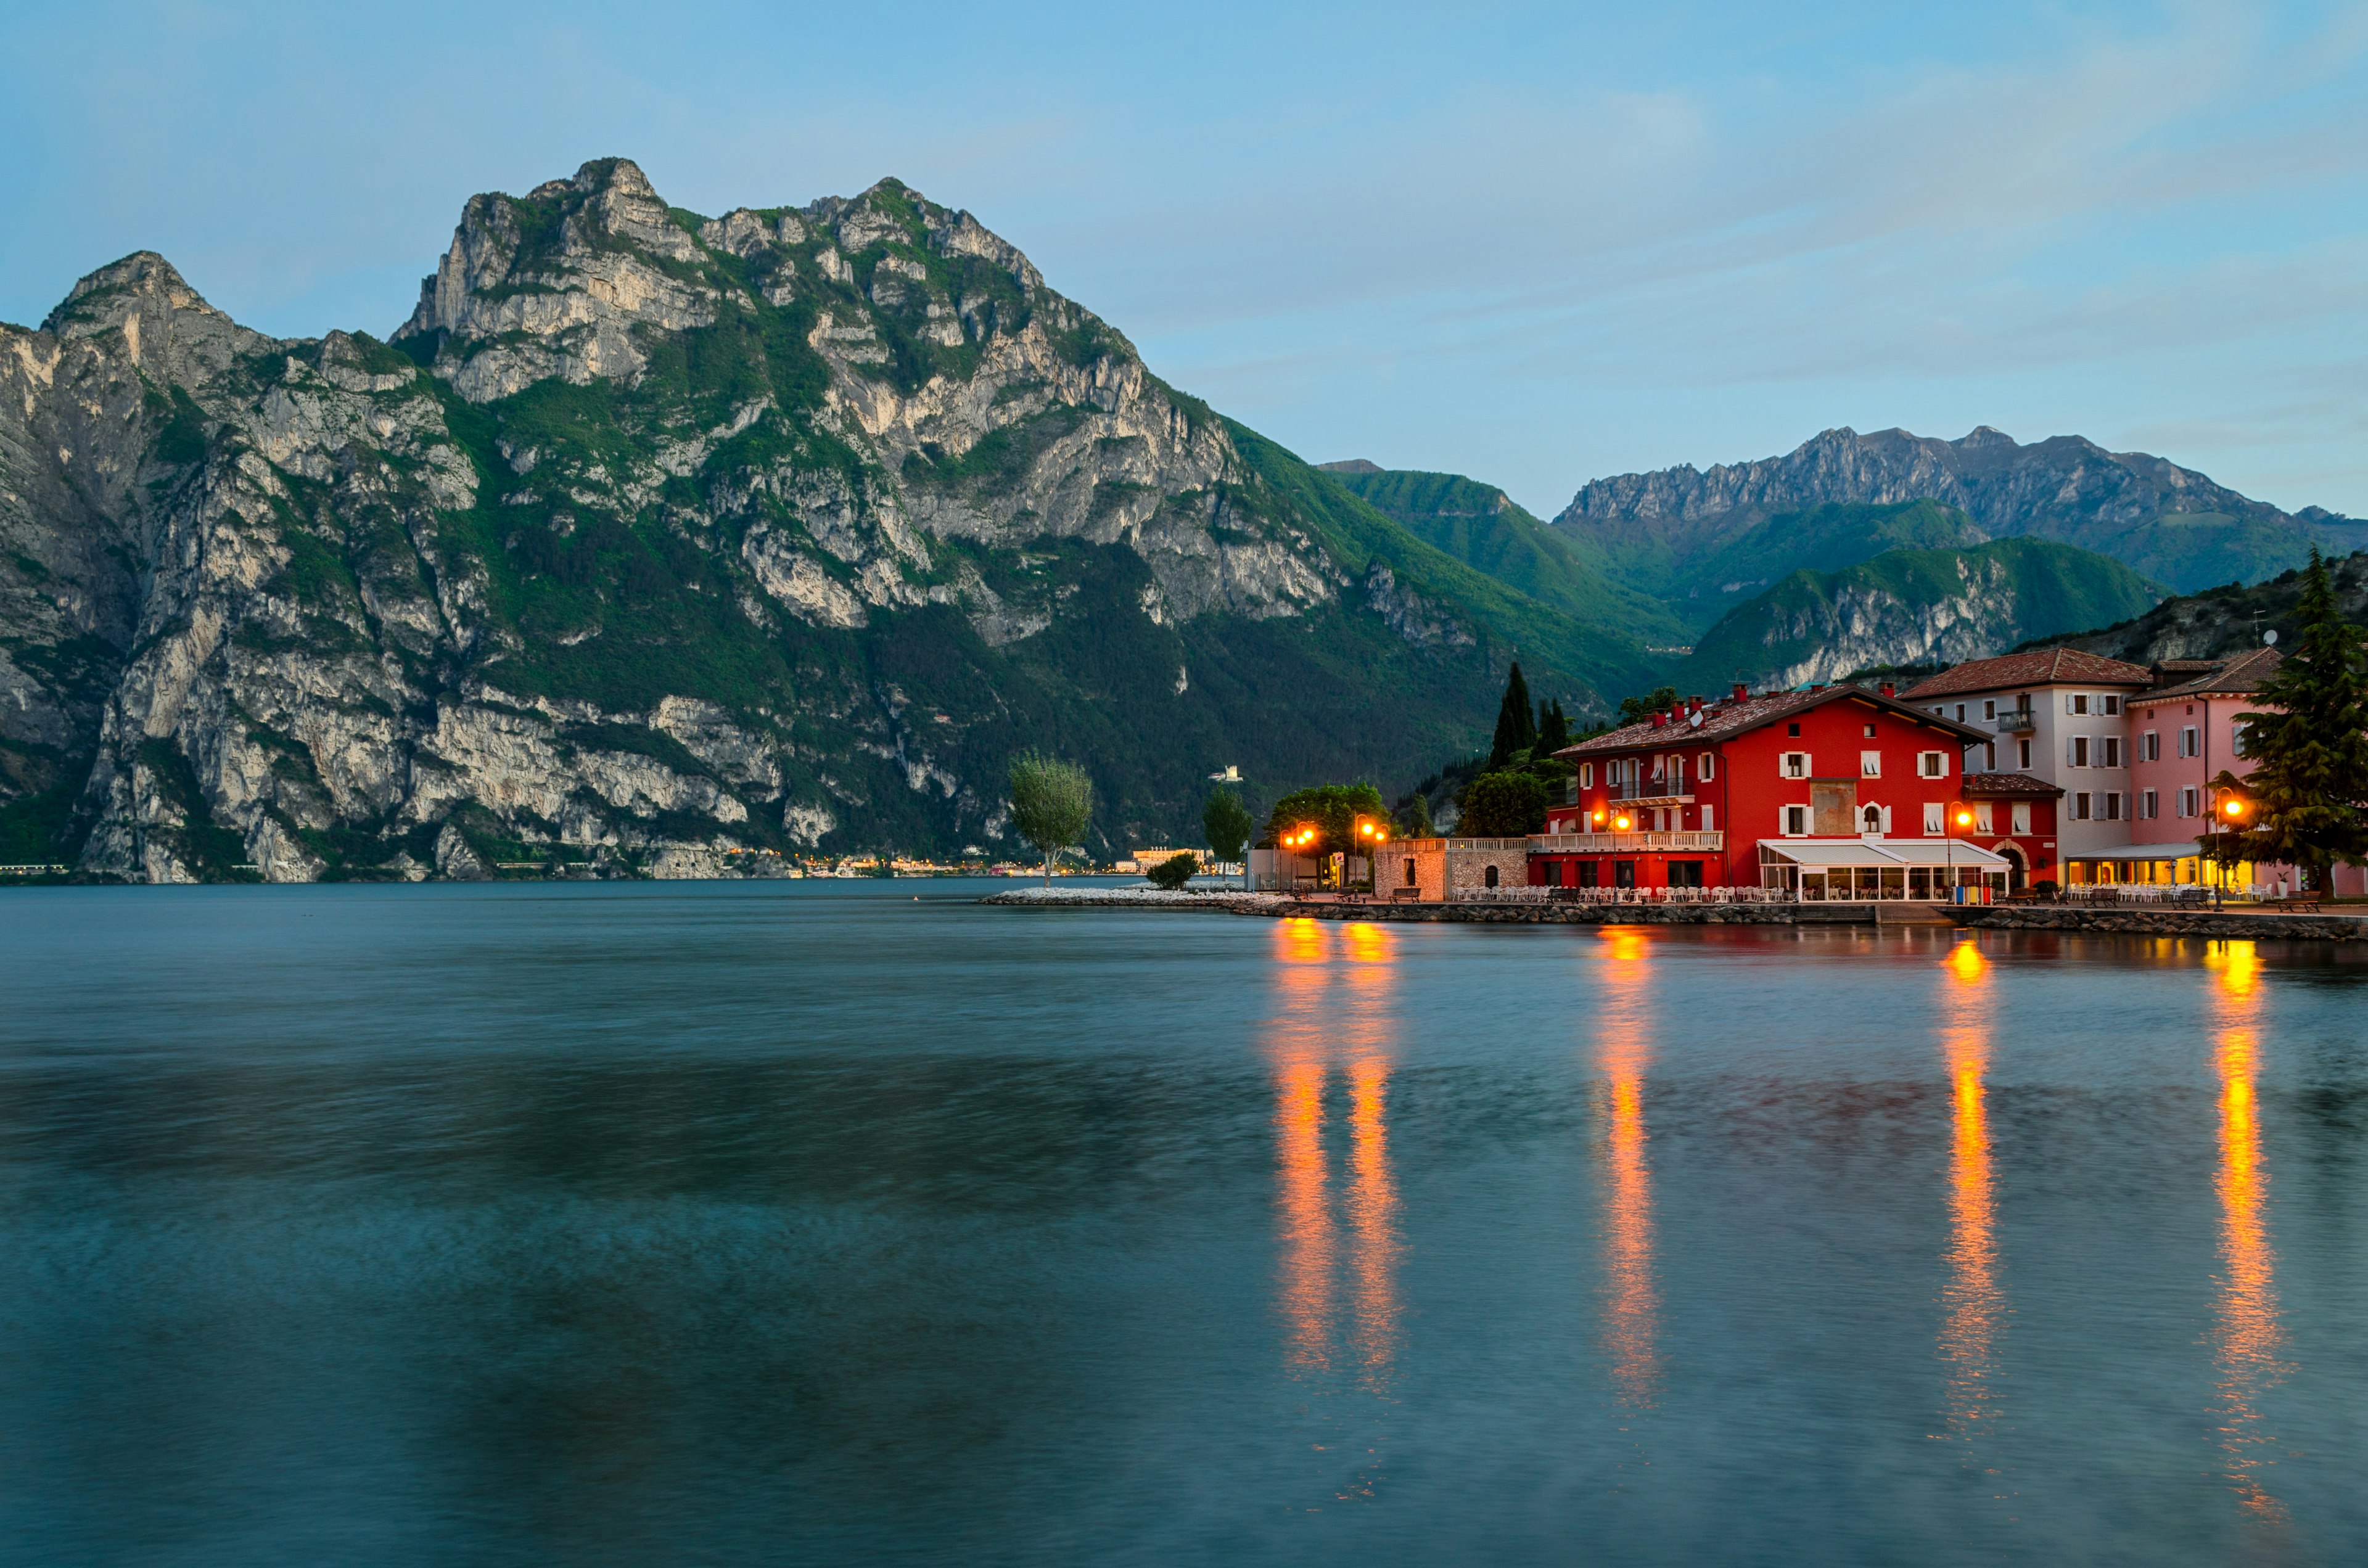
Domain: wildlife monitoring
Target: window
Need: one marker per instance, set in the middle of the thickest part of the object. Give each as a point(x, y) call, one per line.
point(1793, 728)
point(1587, 776)
point(2150, 747)
point(1796, 765)
point(1708, 825)
point(1623, 874)
point(1551, 874)
point(1990, 758)
point(2080, 806)
point(1933, 810)
point(1709, 765)
point(1989, 710)
point(1932, 765)
point(2112, 803)
point(1685, 873)
point(1961, 711)
point(2113, 751)
point(1411, 878)
point(1982, 817)
point(2149, 805)
point(2022, 753)
point(2188, 803)
point(2112, 703)
point(2021, 818)
point(1936, 712)
point(2237, 736)
point(2080, 752)
point(1873, 819)
point(2191, 741)
point(1796, 822)
point(1488, 876)
point(1590, 873)
point(1870, 731)
point(1870, 765)
point(2076, 702)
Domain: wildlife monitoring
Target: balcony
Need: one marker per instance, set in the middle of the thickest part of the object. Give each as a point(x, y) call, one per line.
point(1677, 840)
point(2017, 721)
point(1671, 789)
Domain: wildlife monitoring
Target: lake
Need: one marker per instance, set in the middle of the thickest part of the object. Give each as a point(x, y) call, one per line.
point(838, 1222)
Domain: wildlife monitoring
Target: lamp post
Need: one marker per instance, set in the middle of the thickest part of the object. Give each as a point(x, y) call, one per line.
point(2229, 810)
point(1961, 816)
point(1375, 835)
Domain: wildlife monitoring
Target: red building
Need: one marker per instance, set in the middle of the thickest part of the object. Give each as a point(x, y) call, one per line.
point(1833, 792)
point(2014, 815)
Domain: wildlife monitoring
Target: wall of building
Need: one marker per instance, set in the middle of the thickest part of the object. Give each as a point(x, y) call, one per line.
point(2215, 719)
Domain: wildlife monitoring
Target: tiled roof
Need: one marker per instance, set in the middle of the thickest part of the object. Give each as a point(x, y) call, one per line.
point(1729, 717)
point(1996, 784)
point(2042, 666)
point(2239, 675)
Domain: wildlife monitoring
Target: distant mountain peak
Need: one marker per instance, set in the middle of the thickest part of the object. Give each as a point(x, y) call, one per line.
point(1353, 465)
point(2169, 522)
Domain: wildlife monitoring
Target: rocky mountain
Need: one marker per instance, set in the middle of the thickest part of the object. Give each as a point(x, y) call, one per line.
point(1914, 606)
point(652, 539)
point(2223, 621)
point(2168, 523)
point(1484, 528)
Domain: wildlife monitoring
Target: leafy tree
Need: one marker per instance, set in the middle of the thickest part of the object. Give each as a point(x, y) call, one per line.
point(1637, 710)
point(2309, 745)
point(1505, 805)
point(1051, 800)
point(1414, 817)
point(1227, 824)
point(1553, 730)
point(1516, 730)
point(1175, 871)
point(1332, 810)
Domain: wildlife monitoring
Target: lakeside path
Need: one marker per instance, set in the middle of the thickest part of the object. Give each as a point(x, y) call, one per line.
point(2132, 920)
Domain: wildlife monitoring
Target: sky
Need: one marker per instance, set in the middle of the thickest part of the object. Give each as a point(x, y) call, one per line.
point(1535, 245)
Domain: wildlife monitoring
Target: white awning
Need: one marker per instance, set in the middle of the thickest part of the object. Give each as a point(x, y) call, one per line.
point(2179, 849)
point(1840, 852)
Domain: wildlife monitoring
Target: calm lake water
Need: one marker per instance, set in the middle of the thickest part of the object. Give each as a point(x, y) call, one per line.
point(806, 1222)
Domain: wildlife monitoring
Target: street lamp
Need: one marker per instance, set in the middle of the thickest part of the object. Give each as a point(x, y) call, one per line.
point(2227, 814)
point(1961, 816)
point(1376, 834)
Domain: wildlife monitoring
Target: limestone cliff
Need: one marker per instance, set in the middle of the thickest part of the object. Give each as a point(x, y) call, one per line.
point(652, 539)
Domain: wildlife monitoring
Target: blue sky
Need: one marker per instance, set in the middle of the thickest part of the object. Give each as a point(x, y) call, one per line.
point(1532, 243)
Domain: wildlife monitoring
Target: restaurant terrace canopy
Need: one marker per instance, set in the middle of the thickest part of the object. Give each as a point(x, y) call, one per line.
point(1860, 869)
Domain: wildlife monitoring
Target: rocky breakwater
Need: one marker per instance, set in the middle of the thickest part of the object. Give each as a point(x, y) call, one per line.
point(1234, 902)
point(2244, 925)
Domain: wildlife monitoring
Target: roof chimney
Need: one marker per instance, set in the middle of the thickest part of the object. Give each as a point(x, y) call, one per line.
point(1739, 692)
point(1886, 689)
point(1659, 720)
point(1820, 685)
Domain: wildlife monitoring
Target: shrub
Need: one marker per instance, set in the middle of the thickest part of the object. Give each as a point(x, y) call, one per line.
point(1175, 871)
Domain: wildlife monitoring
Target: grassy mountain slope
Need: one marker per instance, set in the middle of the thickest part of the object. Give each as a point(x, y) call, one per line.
point(1488, 530)
point(2223, 621)
point(1911, 607)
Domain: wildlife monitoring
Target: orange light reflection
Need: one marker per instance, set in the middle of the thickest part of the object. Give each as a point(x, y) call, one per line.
point(2247, 1336)
point(1334, 985)
point(1975, 1307)
point(1632, 1308)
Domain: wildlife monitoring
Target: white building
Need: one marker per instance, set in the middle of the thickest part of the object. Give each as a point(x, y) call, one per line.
point(2058, 714)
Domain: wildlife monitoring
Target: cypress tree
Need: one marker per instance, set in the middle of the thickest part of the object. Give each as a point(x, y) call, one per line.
point(2309, 783)
point(1554, 729)
point(1516, 729)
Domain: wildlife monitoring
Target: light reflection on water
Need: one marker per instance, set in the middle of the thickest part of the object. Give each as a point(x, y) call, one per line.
point(1973, 1304)
point(2247, 1338)
point(1623, 1029)
point(621, 1225)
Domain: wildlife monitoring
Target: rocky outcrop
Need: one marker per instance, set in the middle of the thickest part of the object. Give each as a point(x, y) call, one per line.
point(649, 541)
point(2169, 522)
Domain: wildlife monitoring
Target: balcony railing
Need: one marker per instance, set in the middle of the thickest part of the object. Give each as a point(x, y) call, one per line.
point(1678, 839)
point(1667, 789)
point(2017, 721)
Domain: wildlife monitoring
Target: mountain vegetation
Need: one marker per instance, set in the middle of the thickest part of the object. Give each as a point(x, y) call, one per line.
point(2168, 523)
point(2226, 620)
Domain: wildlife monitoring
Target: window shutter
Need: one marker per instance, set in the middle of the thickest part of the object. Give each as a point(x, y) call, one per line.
point(2068, 702)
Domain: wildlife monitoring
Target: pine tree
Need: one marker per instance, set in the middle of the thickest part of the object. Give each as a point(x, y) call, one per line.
point(2309, 745)
point(1516, 728)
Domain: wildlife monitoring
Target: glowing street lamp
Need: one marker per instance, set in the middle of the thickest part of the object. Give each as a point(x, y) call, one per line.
point(2229, 815)
point(1962, 816)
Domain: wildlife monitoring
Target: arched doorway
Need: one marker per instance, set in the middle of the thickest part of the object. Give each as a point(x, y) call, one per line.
point(2016, 880)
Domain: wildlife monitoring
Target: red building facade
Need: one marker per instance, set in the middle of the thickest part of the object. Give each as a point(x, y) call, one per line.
point(1729, 793)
